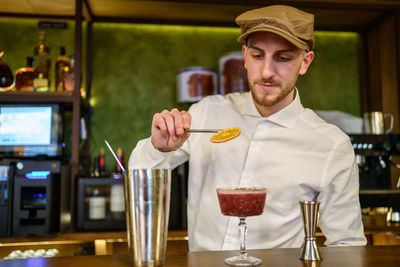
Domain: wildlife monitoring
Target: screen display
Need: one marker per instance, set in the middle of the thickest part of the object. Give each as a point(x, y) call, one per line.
point(4, 173)
point(29, 130)
point(25, 125)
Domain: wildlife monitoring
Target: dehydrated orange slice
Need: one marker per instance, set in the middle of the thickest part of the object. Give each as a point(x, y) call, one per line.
point(225, 135)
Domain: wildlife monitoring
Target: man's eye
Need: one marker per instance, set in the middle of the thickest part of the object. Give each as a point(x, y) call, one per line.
point(257, 56)
point(282, 58)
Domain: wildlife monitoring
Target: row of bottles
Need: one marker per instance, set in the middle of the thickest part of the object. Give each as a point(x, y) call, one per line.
point(35, 76)
point(97, 209)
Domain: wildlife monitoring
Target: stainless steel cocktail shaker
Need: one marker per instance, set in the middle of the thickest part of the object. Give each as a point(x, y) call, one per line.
point(309, 212)
point(147, 196)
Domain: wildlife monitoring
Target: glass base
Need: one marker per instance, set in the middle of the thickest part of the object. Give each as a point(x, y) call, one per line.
point(243, 260)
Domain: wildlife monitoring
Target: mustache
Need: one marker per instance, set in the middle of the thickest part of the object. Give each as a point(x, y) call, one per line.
point(270, 81)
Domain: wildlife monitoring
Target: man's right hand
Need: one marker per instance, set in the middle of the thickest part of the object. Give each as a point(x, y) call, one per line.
point(168, 129)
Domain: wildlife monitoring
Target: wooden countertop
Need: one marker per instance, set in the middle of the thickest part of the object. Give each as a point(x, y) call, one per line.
point(372, 225)
point(381, 256)
point(84, 237)
point(377, 223)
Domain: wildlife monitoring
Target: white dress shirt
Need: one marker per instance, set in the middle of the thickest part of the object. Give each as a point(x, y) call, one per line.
point(293, 153)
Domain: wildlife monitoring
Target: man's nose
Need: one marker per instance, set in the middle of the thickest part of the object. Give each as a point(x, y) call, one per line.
point(268, 69)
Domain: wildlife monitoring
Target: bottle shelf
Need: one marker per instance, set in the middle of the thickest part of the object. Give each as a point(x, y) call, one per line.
point(59, 97)
point(41, 97)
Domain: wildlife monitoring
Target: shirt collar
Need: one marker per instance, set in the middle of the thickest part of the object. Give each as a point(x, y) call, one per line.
point(285, 117)
point(248, 107)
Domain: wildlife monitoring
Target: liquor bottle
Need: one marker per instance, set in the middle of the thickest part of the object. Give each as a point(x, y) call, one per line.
point(69, 81)
point(24, 76)
point(42, 63)
point(97, 206)
point(121, 158)
point(117, 199)
point(96, 171)
point(6, 75)
point(102, 161)
point(63, 65)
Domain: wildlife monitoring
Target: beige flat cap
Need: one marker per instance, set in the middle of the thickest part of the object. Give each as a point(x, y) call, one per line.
point(294, 25)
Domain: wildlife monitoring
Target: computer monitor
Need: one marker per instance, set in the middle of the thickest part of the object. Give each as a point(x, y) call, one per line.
point(30, 130)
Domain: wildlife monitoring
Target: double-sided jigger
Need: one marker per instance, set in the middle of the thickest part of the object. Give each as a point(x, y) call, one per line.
point(309, 212)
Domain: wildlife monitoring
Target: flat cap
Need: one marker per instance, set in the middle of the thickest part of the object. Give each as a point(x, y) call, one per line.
point(294, 25)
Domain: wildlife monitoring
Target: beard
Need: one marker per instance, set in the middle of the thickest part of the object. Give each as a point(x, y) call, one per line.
point(266, 101)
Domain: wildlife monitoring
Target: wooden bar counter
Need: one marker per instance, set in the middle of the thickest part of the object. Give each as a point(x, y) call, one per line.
point(110, 249)
point(381, 256)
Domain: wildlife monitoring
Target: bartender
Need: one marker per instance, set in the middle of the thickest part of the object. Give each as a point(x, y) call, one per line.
point(282, 146)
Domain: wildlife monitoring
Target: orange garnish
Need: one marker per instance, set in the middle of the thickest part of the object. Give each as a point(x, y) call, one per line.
point(225, 135)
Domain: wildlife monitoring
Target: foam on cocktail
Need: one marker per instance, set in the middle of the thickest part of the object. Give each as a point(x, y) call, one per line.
point(239, 190)
point(242, 202)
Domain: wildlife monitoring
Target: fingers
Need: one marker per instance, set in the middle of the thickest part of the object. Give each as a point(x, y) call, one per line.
point(186, 119)
point(182, 121)
point(159, 123)
point(172, 123)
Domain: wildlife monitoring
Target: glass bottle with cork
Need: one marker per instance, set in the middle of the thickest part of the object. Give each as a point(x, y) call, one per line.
point(24, 76)
point(102, 161)
point(99, 164)
point(69, 80)
point(117, 199)
point(97, 205)
point(62, 68)
point(96, 171)
point(42, 64)
point(6, 76)
point(97, 208)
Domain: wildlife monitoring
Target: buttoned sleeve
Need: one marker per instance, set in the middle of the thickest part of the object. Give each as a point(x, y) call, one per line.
point(144, 155)
point(340, 213)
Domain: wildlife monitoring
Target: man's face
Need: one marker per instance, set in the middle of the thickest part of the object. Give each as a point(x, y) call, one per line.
point(273, 65)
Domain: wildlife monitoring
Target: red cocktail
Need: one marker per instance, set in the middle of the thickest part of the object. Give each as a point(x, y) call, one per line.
point(242, 202)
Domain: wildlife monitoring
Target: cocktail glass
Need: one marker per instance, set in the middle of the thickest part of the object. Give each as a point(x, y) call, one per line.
point(242, 203)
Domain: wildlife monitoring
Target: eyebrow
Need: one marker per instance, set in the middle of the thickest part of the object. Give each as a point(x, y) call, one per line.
point(279, 51)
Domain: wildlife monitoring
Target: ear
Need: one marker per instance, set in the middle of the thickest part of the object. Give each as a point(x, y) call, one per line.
point(307, 59)
point(244, 51)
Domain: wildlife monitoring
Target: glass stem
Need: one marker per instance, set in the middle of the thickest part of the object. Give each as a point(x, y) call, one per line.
point(243, 235)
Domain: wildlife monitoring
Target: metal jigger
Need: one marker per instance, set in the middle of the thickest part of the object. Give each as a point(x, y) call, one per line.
point(309, 212)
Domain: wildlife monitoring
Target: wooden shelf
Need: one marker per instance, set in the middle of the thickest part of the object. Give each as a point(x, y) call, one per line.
point(380, 192)
point(329, 14)
point(36, 97)
point(65, 98)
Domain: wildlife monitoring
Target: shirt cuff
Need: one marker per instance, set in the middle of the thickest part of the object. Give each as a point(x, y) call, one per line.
point(156, 154)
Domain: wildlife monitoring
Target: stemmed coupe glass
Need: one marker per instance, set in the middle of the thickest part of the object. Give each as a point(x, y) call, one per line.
point(242, 202)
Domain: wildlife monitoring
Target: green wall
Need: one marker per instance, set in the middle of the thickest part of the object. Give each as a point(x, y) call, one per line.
point(135, 67)
point(333, 80)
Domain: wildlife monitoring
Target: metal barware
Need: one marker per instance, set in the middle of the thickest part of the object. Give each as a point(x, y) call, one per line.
point(203, 130)
point(147, 199)
point(374, 122)
point(309, 212)
point(393, 215)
